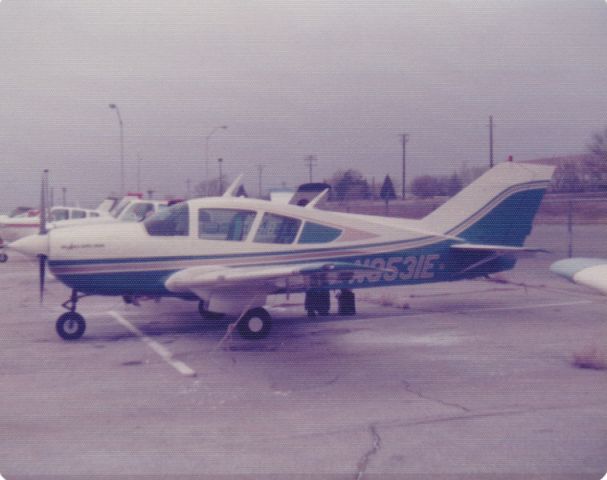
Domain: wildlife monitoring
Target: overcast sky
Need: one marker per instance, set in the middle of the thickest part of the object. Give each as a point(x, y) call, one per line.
point(339, 80)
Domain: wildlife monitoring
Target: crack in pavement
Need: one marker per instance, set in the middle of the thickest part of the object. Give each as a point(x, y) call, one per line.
point(420, 394)
point(363, 463)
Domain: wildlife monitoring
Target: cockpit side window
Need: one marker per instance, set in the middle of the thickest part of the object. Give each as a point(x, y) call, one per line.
point(224, 224)
point(59, 214)
point(277, 229)
point(317, 233)
point(173, 221)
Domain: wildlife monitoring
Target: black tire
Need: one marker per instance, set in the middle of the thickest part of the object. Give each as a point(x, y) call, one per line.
point(3, 257)
point(206, 315)
point(255, 324)
point(70, 326)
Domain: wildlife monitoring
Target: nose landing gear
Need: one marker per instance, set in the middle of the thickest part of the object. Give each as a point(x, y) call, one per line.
point(3, 256)
point(71, 325)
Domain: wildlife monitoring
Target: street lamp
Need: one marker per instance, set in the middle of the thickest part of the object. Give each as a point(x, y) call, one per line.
point(208, 137)
point(220, 161)
point(115, 107)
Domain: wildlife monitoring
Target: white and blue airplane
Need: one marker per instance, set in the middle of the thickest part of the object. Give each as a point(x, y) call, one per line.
point(590, 272)
point(230, 253)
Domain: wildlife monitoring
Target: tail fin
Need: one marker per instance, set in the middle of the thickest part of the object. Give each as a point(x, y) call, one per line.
point(496, 209)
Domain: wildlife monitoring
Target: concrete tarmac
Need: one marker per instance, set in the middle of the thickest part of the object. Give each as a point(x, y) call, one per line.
point(466, 380)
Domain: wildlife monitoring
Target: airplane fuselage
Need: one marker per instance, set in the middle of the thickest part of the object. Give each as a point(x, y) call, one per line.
point(125, 259)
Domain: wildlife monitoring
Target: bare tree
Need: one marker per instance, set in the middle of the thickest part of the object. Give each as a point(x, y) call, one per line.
point(596, 164)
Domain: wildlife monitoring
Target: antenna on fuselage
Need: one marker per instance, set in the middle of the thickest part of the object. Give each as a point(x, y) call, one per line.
point(233, 188)
point(318, 199)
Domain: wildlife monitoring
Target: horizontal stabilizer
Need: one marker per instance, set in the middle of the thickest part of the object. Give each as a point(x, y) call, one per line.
point(498, 249)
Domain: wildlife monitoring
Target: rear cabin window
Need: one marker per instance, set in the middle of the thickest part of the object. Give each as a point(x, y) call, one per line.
point(173, 221)
point(78, 214)
point(316, 233)
point(224, 224)
point(277, 229)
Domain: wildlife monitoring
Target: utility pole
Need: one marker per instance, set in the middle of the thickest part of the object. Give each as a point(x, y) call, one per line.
point(188, 184)
point(220, 161)
point(138, 173)
point(310, 162)
point(260, 171)
point(404, 139)
point(490, 141)
point(63, 197)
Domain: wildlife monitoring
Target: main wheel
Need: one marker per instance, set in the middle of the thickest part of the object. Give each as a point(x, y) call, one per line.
point(70, 326)
point(206, 315)
point(3, 257)
point(255, 324)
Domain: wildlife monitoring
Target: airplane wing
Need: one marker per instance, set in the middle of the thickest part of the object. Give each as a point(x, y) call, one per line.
point(221, 276)
point(590, 272)
point(231, 289)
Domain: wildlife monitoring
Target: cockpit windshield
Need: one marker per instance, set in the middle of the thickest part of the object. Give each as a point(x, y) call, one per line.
point(120, 206)
point(173, 221)
point(137, 212)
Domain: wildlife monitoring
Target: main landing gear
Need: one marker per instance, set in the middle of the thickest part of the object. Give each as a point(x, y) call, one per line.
point(71, 325)
point(255, 324)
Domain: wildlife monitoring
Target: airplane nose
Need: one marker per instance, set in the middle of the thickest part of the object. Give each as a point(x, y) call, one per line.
point(32, 245)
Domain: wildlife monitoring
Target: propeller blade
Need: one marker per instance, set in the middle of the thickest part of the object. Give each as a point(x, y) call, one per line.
point(43, 202)
point(42, 273)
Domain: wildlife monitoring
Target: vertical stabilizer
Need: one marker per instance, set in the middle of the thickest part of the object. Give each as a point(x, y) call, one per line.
point(496, 209)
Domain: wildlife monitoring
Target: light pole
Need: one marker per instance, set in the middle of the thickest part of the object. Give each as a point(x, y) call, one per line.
point(220, 161)
point(115, 107)
point(208, 137)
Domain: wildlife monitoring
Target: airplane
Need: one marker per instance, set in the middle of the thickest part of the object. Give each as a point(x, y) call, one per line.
point(590, 272)
point(230, 253)
point(28, 221)
point(131, 208)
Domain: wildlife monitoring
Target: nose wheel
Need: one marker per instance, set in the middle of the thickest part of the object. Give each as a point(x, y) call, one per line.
point(71, 325)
